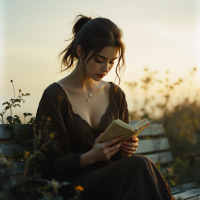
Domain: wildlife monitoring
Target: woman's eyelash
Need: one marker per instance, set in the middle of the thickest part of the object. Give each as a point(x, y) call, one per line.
point(98, 61)
point(101, 62)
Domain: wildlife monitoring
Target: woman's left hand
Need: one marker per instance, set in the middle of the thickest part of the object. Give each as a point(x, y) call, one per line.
point(129, 147)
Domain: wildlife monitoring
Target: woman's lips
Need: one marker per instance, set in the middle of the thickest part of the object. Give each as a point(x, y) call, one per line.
point(100, 75)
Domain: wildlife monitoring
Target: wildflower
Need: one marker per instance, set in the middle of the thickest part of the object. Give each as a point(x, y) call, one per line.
point(51, 135)
point(79, 188)
point(26, 153)
point(48, 119)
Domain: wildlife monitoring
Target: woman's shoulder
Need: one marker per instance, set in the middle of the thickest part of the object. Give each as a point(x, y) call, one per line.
point(54, 92)
point(54, 89)
point(117, 90)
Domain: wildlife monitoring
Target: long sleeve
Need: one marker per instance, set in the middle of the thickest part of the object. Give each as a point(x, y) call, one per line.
point(123, 109)
point(59, 159)
point(123, 114)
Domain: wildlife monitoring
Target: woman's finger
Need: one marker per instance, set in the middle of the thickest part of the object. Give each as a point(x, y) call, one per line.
point(128, 151)
point(113, 152)
point(134, 139)
point(129, 148)
point(113, 141)
point(131, 144)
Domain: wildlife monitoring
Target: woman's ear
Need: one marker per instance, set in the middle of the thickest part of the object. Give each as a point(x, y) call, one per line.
point(79, 51)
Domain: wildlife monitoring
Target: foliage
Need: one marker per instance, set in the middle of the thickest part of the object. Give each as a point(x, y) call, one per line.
point(180, 121)
point(12, 187)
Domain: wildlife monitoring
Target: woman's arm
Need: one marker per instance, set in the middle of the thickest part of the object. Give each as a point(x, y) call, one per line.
point(101, 151)
point(59, 160)
point(86, 159)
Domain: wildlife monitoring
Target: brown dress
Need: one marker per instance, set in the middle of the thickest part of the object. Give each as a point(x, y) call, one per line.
point(134, 177)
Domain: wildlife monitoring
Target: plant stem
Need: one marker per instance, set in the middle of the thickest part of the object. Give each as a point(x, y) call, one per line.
point(13, 89)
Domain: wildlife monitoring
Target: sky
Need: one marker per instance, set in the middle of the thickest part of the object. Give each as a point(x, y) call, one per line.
point(158, 35)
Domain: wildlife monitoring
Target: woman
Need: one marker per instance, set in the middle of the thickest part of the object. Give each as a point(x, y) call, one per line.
point(81, 106)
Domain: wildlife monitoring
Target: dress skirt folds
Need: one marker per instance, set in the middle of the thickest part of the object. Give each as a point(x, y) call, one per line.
point(132, 178)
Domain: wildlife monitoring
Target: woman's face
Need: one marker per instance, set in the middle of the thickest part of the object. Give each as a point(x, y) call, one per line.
point(98, 66)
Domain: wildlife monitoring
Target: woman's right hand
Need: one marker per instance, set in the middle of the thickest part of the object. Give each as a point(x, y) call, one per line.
point(103, 151)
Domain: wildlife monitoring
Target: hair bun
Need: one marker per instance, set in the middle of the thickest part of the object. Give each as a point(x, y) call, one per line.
point(80, 23)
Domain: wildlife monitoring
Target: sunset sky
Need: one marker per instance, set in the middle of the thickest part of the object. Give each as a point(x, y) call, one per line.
point(160, 35)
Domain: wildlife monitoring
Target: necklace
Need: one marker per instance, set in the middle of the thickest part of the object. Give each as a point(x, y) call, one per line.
point(82, 92)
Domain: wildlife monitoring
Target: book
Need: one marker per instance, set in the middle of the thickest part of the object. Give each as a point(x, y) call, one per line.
point(118, 128)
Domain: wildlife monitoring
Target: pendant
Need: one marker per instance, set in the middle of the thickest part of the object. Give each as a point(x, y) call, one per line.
point(87, 100)
point(90, 94)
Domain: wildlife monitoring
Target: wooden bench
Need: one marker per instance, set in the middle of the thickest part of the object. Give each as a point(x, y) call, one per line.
point(152, 143)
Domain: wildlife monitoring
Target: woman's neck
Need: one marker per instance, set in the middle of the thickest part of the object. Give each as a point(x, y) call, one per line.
point(87, 83)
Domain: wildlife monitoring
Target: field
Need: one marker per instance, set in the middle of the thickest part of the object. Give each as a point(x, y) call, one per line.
point(180, 119)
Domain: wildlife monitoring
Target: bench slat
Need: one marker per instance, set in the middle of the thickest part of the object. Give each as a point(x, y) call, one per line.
point(146, 146)
point(164, 157)
point(6, 134)
point(188, 194)
point(19, 169)
point(7, 148)
point(183, 187)
point(152, 130)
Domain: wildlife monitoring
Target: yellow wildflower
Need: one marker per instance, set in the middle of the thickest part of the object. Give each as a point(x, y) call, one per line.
point(79, 188)
point(48, 119)
point(26, 153)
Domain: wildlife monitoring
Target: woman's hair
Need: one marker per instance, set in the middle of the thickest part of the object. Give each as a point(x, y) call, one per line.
point(93, 34)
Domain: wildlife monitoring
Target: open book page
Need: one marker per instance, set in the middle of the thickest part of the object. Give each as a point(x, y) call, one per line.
point(118, 128)
point(125, 124)
point(141, 124)
point(114, 131)
point(135, 134)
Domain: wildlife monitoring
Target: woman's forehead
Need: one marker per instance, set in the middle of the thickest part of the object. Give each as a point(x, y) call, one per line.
point(109, 52)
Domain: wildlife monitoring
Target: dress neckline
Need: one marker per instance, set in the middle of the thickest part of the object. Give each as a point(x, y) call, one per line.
point(76, 114)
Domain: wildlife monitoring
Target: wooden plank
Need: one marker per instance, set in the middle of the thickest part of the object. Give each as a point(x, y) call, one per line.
point(19, 168)
point(152, 130)
point(188, 194)
point(6, 134)
point(151, 145)
point(7, 148)
point(145, 146)
point(164, 157)
point(183, 187)
point(194, 198)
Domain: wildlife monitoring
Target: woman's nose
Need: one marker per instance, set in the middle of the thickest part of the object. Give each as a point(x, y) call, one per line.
point(105, 68)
